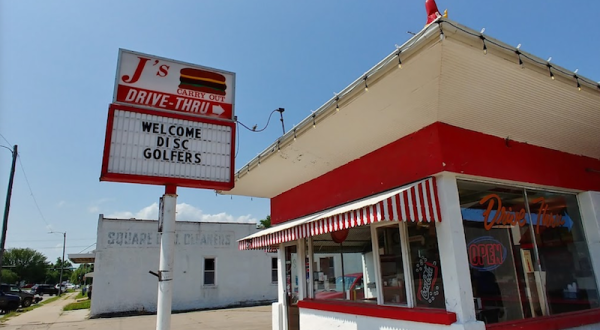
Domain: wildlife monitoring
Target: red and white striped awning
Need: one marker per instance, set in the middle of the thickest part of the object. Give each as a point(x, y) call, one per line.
point(414, 202)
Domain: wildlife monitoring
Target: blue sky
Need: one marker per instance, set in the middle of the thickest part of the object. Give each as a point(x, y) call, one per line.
point(57, 71)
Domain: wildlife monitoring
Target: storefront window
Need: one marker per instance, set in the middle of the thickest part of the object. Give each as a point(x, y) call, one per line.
point(504, 242)
point(343, 266)
point(391, 265)
point(346, 267)
point(425, 265)
point(563, 252)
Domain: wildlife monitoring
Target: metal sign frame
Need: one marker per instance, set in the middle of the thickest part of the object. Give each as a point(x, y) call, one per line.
point(164, 180)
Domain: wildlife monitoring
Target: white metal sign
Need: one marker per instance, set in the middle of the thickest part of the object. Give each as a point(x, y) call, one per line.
point(154, 82)
point(146, 146)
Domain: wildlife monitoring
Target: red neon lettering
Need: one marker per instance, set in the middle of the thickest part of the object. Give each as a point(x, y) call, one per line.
point(486, 215)
point(548, 220)
point(473, 256)
point(485, 254)
point(502, 216)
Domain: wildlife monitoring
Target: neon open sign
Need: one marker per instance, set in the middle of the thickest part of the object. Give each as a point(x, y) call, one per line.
point(486, 253)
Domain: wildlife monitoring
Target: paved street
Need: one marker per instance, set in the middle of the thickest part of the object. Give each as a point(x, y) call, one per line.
point(51, 317)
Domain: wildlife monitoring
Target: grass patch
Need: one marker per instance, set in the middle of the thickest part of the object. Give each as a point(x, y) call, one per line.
point(78, 305)
point(80, 295)
point(27, 309)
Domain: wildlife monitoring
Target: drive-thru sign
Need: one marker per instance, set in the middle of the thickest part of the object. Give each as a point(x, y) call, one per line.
point(154, 82)
point(170, 123)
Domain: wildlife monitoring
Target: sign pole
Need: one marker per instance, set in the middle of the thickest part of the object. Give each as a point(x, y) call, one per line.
point(166, 226)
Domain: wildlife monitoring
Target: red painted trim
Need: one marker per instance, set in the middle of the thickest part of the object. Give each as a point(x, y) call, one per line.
point(170, 189)
point(406, 160)
point(163, 181)
point(431, 150)
point(123, 90)
point(470, 152)
point(422, 315)
point(159, 180)
point(170, 114)
point(554, 322)
point(107, 141)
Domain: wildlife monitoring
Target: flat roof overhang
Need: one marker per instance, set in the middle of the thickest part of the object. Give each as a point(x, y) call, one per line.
point(82, 258)
point(449, 81)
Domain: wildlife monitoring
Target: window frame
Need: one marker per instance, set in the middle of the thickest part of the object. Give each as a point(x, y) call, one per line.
point(409, 281)
point(406, 263)
point(274, 280)
point(214, 271)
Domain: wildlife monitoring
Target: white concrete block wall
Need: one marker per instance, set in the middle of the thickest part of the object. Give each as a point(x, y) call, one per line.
point(276, 319)
point(320, 320)
point(128, 249)
point(587, 327)
point(453, 254)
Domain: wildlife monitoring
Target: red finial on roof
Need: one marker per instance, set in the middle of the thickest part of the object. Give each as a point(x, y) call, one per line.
point(432, 11)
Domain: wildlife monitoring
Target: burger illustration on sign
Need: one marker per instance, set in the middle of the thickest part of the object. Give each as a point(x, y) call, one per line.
point(202, 81)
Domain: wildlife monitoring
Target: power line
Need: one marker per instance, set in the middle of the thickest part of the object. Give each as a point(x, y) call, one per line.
point(5, 140)
point(31, 191)
point(253, 129)
point(50, 247)
point(50, 240)
point(87, 248)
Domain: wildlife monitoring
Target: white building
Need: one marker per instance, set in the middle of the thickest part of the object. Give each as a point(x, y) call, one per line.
point(209, 270)
point(464, 172)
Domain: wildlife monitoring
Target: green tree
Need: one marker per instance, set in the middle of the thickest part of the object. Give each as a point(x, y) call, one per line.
point(8, 276)
point(77, 276)
point(53, 272)
point(28, 264)
point(265, 223)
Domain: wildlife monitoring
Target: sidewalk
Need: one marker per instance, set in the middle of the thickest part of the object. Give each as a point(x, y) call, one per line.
point(46, 314)
point(248, 318)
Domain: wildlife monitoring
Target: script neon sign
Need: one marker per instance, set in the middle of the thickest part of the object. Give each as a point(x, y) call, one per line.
point(496, 214)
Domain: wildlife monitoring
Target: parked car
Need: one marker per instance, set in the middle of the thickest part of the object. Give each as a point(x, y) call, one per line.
point(44, 288)
point(9, 302)
point(350, 282)
point(26, 298)
point(63, 287)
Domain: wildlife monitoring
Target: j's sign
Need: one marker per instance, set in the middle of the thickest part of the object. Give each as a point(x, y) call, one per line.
point(154, 82)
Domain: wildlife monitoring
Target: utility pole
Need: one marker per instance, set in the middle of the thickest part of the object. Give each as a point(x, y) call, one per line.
point(62, 265)
point(7, 206)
